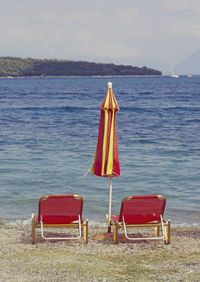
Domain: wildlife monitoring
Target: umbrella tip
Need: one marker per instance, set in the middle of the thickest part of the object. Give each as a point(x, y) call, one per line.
point(109, 84)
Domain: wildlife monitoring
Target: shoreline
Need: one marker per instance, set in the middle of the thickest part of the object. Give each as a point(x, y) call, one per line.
point(79, 76)
point(99, 260)
point(94, 76)
point(92, 223)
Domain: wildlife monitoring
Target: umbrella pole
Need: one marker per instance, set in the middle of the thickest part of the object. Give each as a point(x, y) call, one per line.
point(110, 203)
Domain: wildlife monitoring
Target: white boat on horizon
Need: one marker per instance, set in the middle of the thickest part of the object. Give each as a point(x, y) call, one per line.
point(172, 73)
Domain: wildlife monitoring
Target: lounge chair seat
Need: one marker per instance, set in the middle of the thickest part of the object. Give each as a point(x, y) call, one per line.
point(57, 211)
point(142, 211)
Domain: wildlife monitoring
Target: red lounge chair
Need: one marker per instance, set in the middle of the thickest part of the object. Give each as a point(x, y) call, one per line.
point(142, 211)
point(60, 211)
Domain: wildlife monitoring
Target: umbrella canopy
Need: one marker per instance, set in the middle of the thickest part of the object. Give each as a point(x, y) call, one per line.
point(106, 159)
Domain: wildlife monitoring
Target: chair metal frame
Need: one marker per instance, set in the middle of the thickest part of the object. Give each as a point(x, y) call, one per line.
point(148, 238)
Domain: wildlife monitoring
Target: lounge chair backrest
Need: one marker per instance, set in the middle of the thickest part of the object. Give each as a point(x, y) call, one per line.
point(60, 209)
point(142, 209)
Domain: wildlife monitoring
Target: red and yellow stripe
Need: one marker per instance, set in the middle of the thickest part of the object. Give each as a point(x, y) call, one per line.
point(106, 159)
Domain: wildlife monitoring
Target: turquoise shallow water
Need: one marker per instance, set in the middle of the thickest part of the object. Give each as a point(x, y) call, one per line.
point(48, 133)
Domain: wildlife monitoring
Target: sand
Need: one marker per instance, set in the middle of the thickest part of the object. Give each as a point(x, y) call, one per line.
point(99, 260)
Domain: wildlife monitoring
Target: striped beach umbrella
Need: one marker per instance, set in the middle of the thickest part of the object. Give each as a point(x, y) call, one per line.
point(106, 159)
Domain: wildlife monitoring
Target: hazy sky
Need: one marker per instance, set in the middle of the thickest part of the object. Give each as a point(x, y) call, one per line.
point(154, 33)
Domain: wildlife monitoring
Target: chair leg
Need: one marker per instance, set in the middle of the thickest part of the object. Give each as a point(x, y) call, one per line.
point(115, 232)
point(156, 231)
point(33, 230)
point(167, 232)
point(108, 224)
point(86, 231)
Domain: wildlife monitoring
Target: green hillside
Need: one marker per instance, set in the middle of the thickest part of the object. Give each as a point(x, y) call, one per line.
point(18, 67)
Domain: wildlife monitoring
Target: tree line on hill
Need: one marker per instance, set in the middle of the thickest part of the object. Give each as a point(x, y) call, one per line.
point(18, 67)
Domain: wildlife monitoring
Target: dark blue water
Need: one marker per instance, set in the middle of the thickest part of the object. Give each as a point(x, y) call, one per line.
point(48, 133)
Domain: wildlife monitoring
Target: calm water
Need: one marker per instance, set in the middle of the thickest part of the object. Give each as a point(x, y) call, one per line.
point(48, 133)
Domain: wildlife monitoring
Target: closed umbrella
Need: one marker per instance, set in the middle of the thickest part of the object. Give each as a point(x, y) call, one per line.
point(106, 159)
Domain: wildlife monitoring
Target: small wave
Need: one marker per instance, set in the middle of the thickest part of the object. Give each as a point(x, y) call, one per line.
point(182, 108)
point(193, 120)
point(137, 109)
point(27, 221)
point(50, 108)
point(92, 223)
point(15, 222)
point(145, 93)
point(186, 225)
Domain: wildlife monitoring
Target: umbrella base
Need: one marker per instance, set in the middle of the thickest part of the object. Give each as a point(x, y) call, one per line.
point(108, 236)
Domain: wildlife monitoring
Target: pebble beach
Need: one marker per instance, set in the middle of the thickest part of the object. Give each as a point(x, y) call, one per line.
point(99, 260)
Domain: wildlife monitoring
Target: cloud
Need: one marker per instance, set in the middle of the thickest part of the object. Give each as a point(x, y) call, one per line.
point(177, 5)
point(129, 31)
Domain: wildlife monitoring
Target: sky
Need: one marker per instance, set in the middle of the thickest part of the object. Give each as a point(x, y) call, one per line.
point(152, 33)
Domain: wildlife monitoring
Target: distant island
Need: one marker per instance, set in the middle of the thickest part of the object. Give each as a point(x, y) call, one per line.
point(29, 67)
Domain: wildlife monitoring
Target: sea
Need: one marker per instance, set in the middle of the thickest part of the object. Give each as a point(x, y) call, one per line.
point(48, 134)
